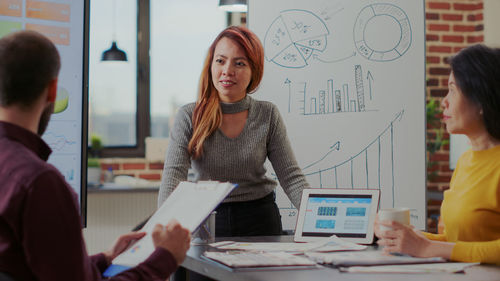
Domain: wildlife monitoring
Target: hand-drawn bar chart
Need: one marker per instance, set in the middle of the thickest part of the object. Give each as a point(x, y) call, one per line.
point(293, 37)
point(333, 99)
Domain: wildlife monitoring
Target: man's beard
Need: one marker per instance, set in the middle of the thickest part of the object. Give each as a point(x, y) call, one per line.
point(45, 118)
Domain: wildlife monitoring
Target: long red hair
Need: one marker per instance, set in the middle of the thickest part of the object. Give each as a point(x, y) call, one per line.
point(207, 115)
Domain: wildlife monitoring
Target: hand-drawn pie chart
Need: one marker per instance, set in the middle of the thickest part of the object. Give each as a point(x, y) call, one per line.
point(62, 100)
point(293, 37)
point(382, 32)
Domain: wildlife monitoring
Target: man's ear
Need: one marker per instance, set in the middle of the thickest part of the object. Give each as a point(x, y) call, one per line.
point(52, 91)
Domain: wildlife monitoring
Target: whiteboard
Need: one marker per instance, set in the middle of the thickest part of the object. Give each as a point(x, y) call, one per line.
point(348, 77)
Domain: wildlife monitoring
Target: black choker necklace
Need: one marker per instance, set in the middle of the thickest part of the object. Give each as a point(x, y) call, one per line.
point(242, 105)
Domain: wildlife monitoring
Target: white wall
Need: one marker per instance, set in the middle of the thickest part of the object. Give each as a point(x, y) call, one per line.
point(112, 213)
point(491, 23)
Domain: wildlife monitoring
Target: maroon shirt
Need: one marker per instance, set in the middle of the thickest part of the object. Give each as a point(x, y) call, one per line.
point(40, 226)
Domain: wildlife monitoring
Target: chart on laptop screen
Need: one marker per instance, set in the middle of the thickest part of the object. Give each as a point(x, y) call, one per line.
point(342, 215)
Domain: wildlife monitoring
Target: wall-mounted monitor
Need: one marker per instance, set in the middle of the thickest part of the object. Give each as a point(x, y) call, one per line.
point(65, 23)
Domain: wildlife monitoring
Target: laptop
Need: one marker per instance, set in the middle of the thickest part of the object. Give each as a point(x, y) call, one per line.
point(347, 213)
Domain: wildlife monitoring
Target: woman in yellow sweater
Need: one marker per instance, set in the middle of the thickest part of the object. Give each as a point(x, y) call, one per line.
point(471, 207)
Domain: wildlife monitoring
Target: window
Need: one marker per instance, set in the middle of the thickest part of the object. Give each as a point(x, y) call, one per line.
point(180, 37)
point(113, 85)
point(120, 111)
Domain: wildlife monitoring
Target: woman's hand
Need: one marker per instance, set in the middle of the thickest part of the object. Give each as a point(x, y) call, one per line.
point(403, 239)
point(122, 243)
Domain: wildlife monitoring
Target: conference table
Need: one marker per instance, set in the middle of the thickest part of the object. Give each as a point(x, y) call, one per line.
point(194, 262)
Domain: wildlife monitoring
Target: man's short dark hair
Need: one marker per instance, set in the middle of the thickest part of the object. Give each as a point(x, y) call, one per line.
point(28, 62)
point(477, 73)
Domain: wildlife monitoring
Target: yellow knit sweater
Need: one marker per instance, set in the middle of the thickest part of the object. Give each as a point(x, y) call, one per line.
point(471, 208)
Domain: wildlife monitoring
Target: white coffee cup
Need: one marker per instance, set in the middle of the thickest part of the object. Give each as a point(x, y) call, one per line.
point(401, 215)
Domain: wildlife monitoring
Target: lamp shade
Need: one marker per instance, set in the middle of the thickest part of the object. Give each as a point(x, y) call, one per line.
point(114, 54)
point(233, 5)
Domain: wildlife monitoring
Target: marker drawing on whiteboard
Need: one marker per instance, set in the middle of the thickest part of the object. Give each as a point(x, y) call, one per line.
point(336, 98)
point(369, 77)
point(293, 37)
point(316, 57)
point(397, 32)
point(375, 175)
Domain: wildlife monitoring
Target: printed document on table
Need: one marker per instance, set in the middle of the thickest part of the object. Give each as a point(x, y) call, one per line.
point(190, 204)
point(329, 244)
point(445, 267)
point(243, 259)
point(367, 258)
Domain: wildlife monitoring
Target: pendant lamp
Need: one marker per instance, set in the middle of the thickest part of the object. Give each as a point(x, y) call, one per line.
point(114, 53)
point(233, 5)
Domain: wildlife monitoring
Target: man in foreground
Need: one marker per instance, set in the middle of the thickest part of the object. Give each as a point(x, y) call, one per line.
point(40, 228)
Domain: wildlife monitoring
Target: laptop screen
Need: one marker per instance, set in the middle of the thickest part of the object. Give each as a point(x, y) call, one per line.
point(342, 215)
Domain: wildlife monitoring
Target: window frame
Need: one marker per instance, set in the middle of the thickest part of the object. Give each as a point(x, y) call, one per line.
point(143, 114)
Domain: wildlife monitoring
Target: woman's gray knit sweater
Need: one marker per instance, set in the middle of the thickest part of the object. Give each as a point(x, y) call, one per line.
point(237, 160)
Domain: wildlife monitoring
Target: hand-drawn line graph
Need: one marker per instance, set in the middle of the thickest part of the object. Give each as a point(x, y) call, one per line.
point(293, 37)
point(332, 100)
point(396, 38)
point(372, 167)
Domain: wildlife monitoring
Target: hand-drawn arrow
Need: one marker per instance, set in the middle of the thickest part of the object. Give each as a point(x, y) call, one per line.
point(288, 82)
point(369, 76)
point(315, 56)
point(335, 147)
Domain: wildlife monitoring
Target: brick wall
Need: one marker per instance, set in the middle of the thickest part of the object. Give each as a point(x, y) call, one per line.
point(136, 167)
point(450, 26)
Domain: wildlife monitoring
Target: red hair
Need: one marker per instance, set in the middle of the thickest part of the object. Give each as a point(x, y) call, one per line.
point(207, 115)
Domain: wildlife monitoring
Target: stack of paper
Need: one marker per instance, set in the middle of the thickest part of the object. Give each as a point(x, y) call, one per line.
point(244, 259)
point(448, 267)
point(368, 258)
point(330, 244)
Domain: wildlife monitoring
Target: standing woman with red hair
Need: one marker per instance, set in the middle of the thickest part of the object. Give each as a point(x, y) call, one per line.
point(227, 136)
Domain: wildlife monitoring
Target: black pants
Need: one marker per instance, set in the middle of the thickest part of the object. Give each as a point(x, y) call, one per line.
point(259, 217)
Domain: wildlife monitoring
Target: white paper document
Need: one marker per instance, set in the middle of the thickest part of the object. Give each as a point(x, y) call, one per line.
point(446, 267)
point(190, 203)
point(329, 244)
point(254, 259)
point(367, 258)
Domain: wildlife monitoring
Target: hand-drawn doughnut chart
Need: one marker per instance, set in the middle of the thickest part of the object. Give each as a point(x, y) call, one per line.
point(293, 37)
point(380, 46)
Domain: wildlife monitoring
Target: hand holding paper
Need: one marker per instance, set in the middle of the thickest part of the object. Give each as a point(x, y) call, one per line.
point(174, 238)
point(122, 243)
point(189, 205)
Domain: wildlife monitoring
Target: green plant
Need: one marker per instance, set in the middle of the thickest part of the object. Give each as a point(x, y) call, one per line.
point(95, 146)
point(433, 113)
point(93, 162)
